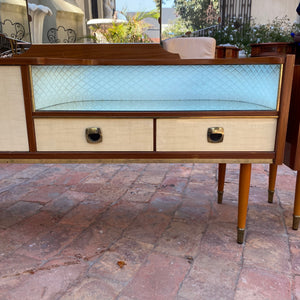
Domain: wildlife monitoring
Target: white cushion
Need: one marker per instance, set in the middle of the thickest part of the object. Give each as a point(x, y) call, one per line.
point(191, 47)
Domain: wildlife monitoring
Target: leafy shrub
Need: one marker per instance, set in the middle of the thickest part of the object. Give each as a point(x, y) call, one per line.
point(132, 30)
point(176, 28)
point(279, 30)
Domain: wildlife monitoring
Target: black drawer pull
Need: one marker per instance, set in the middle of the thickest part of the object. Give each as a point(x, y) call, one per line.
point(215, 134)
point(93, 135)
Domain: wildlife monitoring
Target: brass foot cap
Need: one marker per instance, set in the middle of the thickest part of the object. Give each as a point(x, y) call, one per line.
point(220, 197)
point(270, 196)
point(296, 220)
point(240, 235)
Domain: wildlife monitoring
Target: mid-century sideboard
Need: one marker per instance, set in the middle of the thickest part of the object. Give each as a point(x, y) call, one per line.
point(139, 103)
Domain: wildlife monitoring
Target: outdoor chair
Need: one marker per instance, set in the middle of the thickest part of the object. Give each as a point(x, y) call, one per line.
point(191, 47)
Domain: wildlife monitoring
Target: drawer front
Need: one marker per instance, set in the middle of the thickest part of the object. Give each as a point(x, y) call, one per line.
point(117, 134)
point(245, 134)
point(13, 129)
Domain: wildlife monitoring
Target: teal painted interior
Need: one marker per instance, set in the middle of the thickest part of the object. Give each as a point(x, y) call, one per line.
point(156, 87)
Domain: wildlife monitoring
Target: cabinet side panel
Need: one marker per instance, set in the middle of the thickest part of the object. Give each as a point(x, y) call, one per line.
point(13, 132)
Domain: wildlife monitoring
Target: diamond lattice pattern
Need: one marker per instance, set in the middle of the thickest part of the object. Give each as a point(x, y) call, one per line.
point(156, 87)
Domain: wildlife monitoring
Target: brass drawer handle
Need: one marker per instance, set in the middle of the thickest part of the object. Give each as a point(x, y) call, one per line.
point(215, 134)
point(93, 135)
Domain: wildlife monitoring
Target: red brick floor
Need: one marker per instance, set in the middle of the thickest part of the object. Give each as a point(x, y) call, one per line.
point(144, 231)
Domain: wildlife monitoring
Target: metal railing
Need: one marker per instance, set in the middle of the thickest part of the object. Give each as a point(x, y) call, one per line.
point(208, 31)
point(238, 11)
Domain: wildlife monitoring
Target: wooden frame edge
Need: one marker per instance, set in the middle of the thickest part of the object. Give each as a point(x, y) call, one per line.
point(285, 97)
point(236, 155)
point(26, 82)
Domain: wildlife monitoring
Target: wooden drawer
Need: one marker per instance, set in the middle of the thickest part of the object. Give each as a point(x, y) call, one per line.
point(62, 134)
point(240, 134)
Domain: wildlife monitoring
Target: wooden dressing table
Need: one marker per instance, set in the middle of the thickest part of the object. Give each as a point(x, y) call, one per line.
point(139, 103)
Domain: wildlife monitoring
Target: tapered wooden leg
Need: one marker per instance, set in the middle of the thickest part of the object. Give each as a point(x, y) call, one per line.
point(296, 216)
point(221, 181)
point(244, 187)
point(272, 181)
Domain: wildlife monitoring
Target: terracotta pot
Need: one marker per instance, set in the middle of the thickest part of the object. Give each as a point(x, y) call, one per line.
point(273, 49)
point(227, 52)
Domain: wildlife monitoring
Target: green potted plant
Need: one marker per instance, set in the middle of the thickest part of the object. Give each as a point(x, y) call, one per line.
point(259, 39)
point(131, 30)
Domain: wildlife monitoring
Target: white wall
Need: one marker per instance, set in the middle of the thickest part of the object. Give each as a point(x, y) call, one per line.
point(265, 11)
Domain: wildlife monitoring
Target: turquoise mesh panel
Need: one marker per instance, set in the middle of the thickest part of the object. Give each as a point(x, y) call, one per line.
point(156, 87)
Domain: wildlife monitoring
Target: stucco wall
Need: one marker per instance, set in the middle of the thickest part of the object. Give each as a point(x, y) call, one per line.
point(12, 12)
point(265, 11)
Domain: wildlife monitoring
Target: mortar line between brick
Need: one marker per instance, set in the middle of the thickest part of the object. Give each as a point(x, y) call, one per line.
point(241, 269)
point(199, 246)
point(242, 258)
point(122, 233)
point(91, 264)
point(23, 182)
point(150, 252)
point(156, 243)
point(57, 224)
point(293, 275)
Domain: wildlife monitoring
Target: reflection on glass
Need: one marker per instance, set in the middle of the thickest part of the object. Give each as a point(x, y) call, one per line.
point(14, 19)
point(96, 21)
point(14, 28)
point(105, 21)
point(56, 21)
point(185, 18)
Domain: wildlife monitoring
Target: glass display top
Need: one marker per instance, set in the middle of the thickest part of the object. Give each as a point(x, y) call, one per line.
point(156, 87)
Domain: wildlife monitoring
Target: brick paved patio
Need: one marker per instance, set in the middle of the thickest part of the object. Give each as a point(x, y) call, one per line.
point(143, 231)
